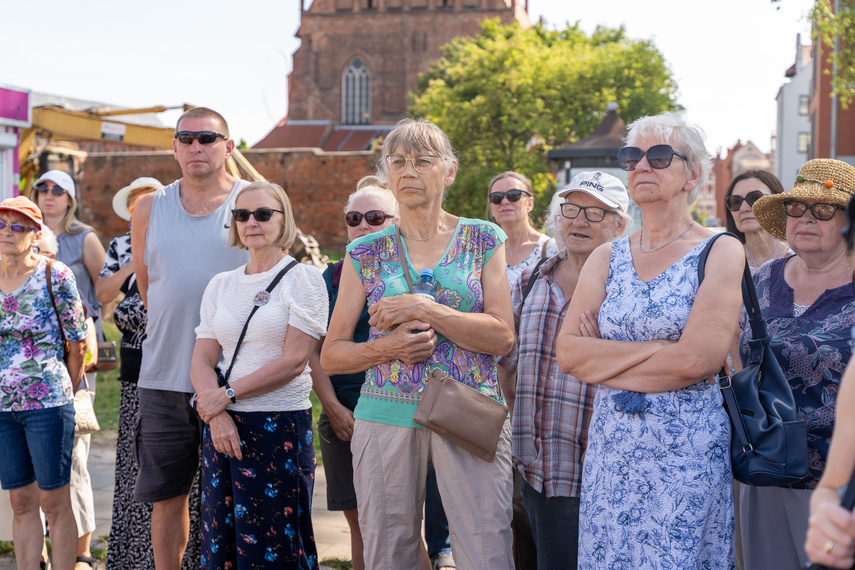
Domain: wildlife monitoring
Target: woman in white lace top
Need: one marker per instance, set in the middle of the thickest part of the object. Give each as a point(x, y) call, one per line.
point(511, 201)
point(258, 458)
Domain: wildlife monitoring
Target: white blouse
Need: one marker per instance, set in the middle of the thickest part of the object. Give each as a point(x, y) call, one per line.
point(551, 249)
point(299, 300)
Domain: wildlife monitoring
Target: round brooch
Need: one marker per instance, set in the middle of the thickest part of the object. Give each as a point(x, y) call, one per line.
point(261, 298)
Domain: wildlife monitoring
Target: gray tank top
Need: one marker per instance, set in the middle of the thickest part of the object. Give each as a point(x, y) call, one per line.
point(70, 252)
point(183, 253)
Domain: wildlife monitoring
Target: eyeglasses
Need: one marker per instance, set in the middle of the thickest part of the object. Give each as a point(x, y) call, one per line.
point(204, 137)
point(44, 188)
point(373, 217)
point(512, 196)
point(796, 209)
point(17, 228)
point(592, 213)
point(260, 215)
point(658, 156)
point(734, 202)
point(397, 163)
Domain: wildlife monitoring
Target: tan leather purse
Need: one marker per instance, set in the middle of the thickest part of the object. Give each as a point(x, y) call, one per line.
point(462, 415)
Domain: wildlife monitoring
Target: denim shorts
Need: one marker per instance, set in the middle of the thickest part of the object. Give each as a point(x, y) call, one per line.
point(36, 446)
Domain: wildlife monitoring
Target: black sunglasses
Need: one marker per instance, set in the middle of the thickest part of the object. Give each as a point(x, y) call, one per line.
point(512, 195)
point(373, 217)
point(17, 228)
point(734, 202)
point(658, 156)
point(260, 215)
point(44, 188)
point(204, 137)
point(796, 209)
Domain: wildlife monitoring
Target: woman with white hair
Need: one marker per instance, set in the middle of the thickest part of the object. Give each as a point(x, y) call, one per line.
point(657, 489)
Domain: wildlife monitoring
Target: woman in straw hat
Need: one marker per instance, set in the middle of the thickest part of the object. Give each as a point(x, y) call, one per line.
point(808, 303)
point(831, 536)
point(130, 544)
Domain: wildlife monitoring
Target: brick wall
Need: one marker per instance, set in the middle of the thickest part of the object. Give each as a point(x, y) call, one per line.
point(318, 184)
point(396, 39)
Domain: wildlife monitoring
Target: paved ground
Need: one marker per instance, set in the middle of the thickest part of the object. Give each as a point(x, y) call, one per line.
point(331, 533)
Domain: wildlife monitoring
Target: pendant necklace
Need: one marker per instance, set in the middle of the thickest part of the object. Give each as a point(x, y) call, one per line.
point(753, 260)
point(669, 242)
point(431, 236)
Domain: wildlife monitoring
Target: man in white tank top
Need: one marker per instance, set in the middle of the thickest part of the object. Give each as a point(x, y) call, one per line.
point(178, 243)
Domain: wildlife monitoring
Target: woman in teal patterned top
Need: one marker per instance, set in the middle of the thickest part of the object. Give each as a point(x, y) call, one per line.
point(461, 334)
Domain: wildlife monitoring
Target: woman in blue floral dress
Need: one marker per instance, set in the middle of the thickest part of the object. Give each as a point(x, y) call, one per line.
point(258, 457)
point(809, 307)
point(657, 490)
point(36, 386)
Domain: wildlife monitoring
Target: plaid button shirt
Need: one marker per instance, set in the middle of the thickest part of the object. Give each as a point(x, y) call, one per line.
point(552, 409)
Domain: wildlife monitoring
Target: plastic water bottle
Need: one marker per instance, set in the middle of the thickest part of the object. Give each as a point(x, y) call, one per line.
point(426, 286)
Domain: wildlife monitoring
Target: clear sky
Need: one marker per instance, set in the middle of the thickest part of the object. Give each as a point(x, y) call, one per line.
point(728, 57)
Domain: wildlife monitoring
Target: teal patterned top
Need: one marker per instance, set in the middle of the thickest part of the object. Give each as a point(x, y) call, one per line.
point(392, 391)
point(32, 372)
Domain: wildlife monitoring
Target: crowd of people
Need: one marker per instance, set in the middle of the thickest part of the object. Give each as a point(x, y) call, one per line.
point(602, 341)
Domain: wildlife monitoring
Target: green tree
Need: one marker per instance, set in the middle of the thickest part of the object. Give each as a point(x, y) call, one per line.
point(828, 25)
point(508, 95)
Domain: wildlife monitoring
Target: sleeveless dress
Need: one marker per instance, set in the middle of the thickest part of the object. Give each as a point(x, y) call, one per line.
point(657, 489)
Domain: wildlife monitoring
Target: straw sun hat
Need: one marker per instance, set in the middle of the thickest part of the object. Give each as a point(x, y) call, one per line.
point(120, 199)
point(822, 180)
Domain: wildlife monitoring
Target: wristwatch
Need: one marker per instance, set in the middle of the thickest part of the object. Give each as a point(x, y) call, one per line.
point(230, 392)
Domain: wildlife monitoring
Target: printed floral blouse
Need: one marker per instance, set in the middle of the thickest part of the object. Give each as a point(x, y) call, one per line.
point(32, 372)
point(812, 349)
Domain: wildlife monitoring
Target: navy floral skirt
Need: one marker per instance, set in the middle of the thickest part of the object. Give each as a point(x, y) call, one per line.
point(256, 512)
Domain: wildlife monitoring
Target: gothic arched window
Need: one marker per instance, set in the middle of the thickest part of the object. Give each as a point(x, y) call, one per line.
point(356, 94)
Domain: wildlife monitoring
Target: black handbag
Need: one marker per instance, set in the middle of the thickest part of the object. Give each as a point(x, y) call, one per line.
point(768, 445)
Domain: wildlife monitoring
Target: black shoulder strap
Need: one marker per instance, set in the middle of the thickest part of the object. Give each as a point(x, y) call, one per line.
point(749, 294)
point(270, 288)
point(530, 284)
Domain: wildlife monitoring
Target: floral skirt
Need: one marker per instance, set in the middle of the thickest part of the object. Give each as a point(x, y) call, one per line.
point(256, 512)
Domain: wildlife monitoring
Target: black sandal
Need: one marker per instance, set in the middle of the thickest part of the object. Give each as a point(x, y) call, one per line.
point(86, 559)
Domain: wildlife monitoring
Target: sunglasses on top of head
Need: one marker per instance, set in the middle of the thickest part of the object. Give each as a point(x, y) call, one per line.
point(260, 215)
point(204, 137)
point(44, 188)
point(17, 228)
point(734, 202)
point(512, 196)
point(373, 217)
point(658, 156)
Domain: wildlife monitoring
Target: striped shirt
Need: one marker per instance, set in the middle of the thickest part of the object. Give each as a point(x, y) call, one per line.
point(552, 409)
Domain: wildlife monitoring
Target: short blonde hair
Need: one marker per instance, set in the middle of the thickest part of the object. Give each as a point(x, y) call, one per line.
point(289, 226)
point(374, 186)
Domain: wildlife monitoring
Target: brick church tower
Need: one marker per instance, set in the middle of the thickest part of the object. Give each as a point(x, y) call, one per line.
point(359, 58)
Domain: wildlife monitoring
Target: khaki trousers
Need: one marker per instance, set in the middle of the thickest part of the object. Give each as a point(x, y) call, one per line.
point(390, 466)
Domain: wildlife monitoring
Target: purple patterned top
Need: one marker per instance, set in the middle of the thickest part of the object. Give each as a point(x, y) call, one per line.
point(393, 390)
point(813, 350)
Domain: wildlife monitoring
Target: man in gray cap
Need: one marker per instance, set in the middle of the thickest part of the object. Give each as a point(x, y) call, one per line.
point(551, 410)
point(178, 242)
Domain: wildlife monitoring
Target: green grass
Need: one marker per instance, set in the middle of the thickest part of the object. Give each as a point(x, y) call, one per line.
point(337, 563)
point(108, 387)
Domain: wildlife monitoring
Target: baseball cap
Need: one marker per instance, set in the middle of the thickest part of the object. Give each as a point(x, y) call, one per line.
point(604, 187)
point(61, 179)
point(25, 206)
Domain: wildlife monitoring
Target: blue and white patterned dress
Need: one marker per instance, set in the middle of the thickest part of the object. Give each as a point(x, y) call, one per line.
point(657, 490)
